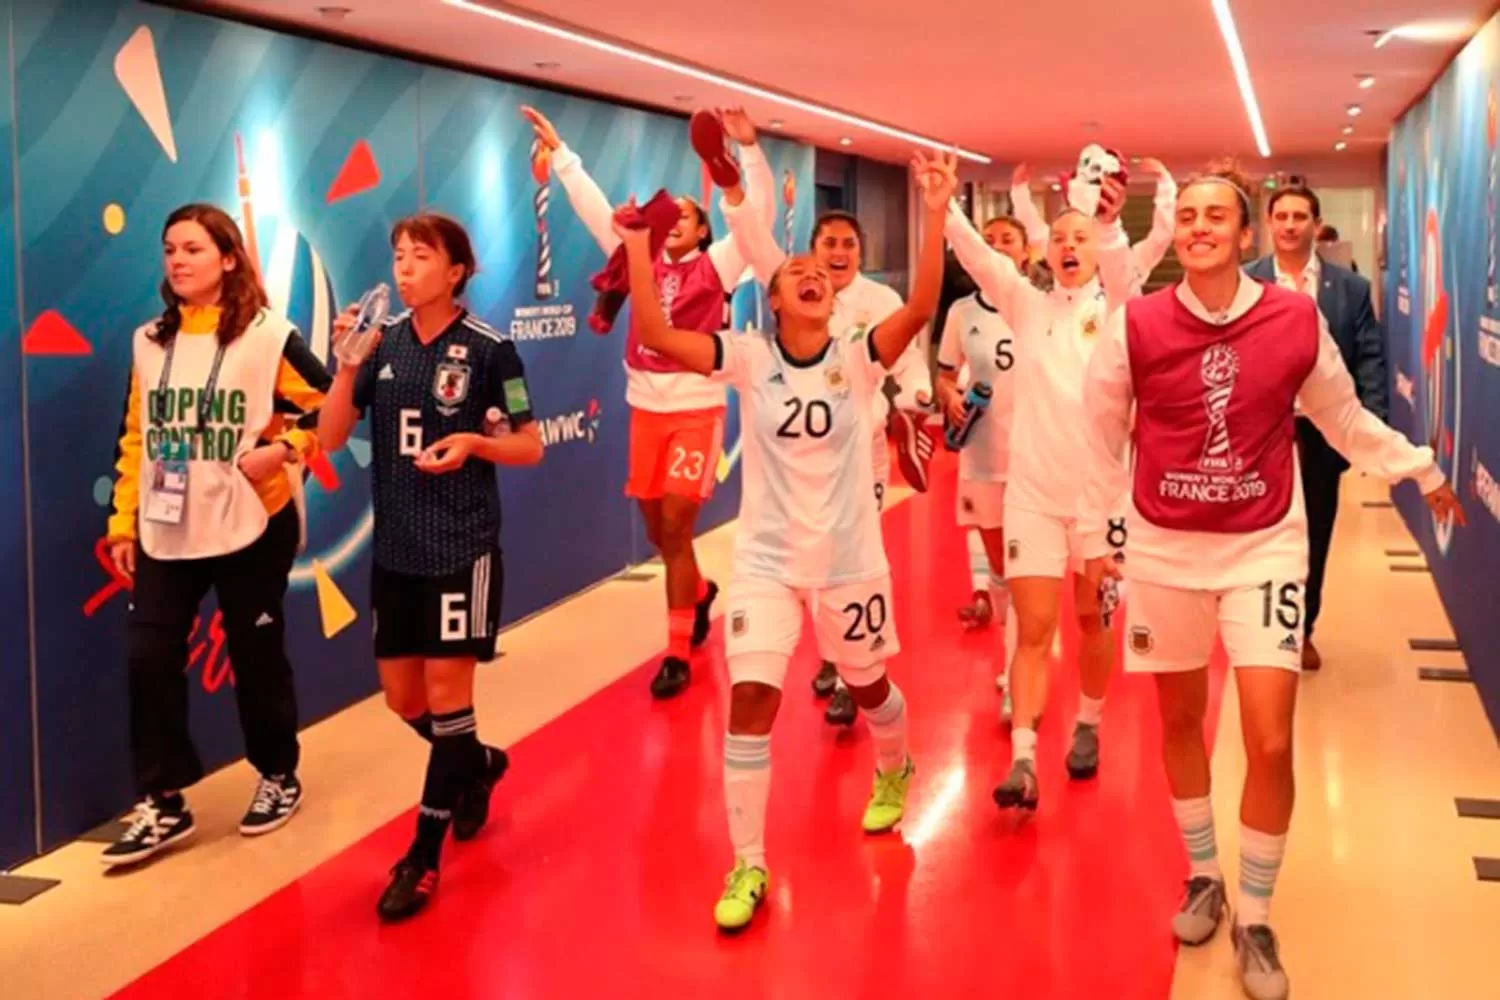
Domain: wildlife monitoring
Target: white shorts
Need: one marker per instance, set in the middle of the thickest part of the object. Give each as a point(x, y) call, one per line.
point(853, 624)
point(1040, 545)
point(1168, 629)
point(980, 504)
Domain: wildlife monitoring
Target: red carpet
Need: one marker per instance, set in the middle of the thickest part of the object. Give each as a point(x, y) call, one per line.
point(607, 848)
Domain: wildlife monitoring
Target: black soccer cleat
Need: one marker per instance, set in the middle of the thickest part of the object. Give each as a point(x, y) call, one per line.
point(411, 888)
point(703, 615)
point(841, 709)
point(826, 680)
point(671, 679)
point(473, 808)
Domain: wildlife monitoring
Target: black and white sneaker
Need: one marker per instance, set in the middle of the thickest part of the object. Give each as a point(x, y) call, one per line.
point(153, 828)
point(277, 799)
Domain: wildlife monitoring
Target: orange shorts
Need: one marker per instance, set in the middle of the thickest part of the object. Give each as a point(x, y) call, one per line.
point(675, 453)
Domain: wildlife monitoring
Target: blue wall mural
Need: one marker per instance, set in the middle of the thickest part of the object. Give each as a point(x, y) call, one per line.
point(1442, 304)
point(125, 112)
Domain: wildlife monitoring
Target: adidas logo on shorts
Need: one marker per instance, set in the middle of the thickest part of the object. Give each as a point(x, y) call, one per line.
point(1290, 643)
point(878, 644)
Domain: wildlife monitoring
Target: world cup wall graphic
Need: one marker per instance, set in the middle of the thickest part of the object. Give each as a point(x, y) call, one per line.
point(541, 170)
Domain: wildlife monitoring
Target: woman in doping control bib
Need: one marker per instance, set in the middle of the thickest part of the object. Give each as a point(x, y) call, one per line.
point(1215, 368)
point(207, 496)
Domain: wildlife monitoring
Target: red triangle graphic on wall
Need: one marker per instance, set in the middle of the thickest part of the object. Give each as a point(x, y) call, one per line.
point(324, 472)
point(359, 173)
point(51, 334)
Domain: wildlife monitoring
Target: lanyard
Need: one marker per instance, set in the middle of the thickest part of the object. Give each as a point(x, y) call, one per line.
point(206, 401)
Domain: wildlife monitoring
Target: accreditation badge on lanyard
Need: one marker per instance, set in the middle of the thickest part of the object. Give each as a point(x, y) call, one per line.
point(166, 494)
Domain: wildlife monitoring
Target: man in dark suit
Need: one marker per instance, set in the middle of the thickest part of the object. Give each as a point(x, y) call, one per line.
point(1343, 298)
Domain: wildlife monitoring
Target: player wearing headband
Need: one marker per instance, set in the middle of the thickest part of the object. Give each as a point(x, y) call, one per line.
point(809, 537)
point(860, 303)
point(676, 415)
point(976, 339)
point(1055, 333)
point(1218, 542)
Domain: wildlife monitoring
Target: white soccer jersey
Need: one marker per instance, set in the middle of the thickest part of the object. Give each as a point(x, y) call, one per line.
point(975, 337)
point(1200, 560)
point(1055, 335)
point(806, 519)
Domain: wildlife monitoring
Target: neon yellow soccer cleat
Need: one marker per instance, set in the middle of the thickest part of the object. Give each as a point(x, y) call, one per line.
point(744, 890)
point(888, 800)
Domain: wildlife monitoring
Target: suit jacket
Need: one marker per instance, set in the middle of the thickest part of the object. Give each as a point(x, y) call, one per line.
point(1344, 300)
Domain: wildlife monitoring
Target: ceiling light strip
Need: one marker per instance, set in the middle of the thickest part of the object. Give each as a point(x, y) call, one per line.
point(1242, 74)
point(556, 31)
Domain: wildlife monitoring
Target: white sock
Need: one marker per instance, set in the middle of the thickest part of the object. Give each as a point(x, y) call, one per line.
point(1195, 818)
point(1010, 632)
point(888, 728)
point(1260, 862)
point(1023, 745)
point(979, 561)
point(1090, 710)
point(747, 786)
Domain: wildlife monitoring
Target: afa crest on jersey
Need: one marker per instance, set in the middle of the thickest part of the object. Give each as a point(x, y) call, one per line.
point(450, 383)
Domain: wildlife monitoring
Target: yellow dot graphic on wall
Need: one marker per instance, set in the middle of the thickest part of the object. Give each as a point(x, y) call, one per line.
point(114, 219)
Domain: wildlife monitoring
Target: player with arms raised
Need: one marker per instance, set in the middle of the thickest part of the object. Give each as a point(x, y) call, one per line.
point(809, 536)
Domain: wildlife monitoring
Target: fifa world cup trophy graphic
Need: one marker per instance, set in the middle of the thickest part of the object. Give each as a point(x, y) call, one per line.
point(789, 196)
point(541, 170)
point(1220, 367)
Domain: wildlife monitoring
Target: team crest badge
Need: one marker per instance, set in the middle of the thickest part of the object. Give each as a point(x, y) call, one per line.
point(1090, 326)
point(1013, 549)
point(458, 352)
point(968, 505)
point(738, 624)
point(836, 380)
point(450, 384)
point(1141, 641)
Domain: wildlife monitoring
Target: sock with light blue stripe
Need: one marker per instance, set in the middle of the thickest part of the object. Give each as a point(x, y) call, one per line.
point(1260, 863)
point(747, 786)
point(1195, 818)
point(888, 729)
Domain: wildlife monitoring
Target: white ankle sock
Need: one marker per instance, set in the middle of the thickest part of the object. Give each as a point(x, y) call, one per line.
point(1260, 863)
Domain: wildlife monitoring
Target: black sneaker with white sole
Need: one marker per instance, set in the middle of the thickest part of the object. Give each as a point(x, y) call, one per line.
point(154, 827)
point(703, 613)
point(277, 799)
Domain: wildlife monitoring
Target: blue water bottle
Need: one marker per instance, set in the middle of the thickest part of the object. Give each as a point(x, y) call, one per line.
point(976, 401)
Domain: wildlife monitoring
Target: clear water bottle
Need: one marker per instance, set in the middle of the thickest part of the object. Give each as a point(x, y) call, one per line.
point(356, 346)
point(976, 401)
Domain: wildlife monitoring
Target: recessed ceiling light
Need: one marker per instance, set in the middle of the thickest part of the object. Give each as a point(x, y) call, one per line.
point(777, 123)
point(846, 141)
point(1135, 161)
point(569, 34)
point(1348, 129)
point(545, 65)
point(1366, 81)
point(1354, 110)
point(1242, 75)
point(1340, 146)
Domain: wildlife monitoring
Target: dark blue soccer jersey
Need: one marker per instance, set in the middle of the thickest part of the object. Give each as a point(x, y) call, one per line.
point(415, 394)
